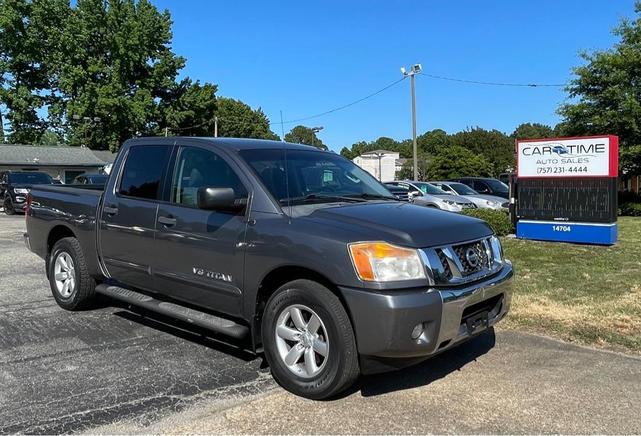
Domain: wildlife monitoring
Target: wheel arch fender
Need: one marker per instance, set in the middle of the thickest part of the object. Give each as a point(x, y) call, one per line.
point(277, 277)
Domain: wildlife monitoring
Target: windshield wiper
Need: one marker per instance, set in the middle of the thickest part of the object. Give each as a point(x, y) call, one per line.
point(367, 196)
point(318, 197)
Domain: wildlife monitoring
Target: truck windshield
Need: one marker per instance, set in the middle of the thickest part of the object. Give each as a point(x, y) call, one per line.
point(302, 176)
point(30, 178)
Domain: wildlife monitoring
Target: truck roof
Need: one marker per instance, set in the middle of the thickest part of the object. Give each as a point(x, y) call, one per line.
point(232, 143)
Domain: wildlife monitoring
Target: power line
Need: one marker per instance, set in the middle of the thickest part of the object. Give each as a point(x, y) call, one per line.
point(375, 93)
point(345, 106)
point(478, 82)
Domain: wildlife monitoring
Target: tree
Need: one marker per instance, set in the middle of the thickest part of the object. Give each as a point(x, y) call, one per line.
point(407, 170)
point(95, 73)
point(631, 159)
point(533, 131)
point(431, 142)
point(29, 39)
point(456, 161)
point(494, 145)
point(238, 120)
point(304, 135)
point(188, 109)
point(606, 91)
point(404, 148)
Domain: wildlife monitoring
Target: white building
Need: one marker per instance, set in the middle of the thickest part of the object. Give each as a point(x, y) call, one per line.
point(382, 164)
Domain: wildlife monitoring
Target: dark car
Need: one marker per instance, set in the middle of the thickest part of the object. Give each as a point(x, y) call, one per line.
point(91, 179)
point(15, 185)
point(292, 252)
point(400, 192)
point(486, 186)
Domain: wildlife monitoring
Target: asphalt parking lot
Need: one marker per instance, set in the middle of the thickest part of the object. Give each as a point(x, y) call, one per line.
point(111, 370)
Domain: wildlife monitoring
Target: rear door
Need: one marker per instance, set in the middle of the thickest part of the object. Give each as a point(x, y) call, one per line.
point(128, 217)
point(199, 254)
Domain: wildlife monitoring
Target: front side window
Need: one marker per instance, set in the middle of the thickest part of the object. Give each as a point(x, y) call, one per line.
point(143, 171)
point(196, 168)
point(301, 176)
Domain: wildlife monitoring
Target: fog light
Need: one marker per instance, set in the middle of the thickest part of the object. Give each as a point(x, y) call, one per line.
point(418, 331)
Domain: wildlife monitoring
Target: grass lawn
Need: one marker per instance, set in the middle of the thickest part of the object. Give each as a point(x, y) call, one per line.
point(586, 294)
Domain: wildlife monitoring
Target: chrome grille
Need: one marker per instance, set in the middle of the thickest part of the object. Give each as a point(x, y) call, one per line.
point(462, 263)
point(474, 257)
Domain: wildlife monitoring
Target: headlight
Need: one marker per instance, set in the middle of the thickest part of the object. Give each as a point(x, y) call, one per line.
point(21, 190)
point(383, 262)
point(492, 203)
point(497, 250)
point(450, 202)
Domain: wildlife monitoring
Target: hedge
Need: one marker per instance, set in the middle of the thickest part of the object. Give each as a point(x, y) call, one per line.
point(630, 209)
point(498, 220)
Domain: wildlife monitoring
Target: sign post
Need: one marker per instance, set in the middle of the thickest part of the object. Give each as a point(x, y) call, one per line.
point(567, 189)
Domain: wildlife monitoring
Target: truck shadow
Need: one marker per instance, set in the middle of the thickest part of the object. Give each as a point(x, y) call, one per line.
point(430, 370)
point(421, 374)
point(185, 331)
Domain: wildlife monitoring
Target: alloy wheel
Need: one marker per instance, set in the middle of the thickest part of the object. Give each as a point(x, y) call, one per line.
point(302, 341)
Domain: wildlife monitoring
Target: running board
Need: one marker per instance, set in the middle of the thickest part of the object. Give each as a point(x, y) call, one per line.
point(201, 319)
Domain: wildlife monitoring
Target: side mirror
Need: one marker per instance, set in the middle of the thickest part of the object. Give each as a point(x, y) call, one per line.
point(211, 198)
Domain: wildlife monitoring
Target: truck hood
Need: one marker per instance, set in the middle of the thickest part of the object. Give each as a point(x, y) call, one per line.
point(402, 223)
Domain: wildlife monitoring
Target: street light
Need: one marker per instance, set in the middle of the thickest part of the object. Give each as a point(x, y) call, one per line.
point(379, 155)
point(415, 69)
point(315, 130)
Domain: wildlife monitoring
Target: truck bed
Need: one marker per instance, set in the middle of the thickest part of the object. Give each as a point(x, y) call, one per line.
point(74, 206)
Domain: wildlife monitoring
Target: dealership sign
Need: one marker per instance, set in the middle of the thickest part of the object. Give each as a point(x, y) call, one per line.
point(593, 156)
point(566, 189)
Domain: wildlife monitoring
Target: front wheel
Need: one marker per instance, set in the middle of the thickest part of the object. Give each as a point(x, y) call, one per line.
point(309, 340)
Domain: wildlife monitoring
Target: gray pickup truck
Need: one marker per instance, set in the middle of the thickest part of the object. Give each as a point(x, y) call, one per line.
point(295, 252)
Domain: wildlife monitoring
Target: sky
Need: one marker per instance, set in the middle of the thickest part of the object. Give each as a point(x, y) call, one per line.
point(305, 58)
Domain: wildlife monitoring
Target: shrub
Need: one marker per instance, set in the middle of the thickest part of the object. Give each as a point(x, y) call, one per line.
point(498, 220)
point(630, 209)
point(629, 197)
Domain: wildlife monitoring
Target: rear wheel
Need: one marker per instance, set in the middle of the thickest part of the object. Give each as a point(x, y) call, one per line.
point(309, 340)
point(71, 285)
point(8, 206)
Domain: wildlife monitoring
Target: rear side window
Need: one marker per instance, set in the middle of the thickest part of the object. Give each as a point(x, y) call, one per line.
point(143, 171)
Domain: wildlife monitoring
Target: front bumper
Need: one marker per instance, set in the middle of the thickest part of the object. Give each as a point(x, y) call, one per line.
point(383, 321)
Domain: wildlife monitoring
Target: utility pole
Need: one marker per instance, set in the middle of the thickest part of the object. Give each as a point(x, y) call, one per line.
point(416, 68)
point(315, 130)
point(215, 126)
point(380, 167)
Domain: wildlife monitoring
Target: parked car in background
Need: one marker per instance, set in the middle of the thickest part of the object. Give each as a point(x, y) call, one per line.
point(480, 200)
point(485, 185)
point(15, 185)
point(424, 194)
point(91, 179)
point(402, 193)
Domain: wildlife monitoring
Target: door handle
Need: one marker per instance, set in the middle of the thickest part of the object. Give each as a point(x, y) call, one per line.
point(110, 210)
point(167, 221)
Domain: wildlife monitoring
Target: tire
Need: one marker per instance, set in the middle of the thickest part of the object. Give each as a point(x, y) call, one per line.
point(80, 292)
point(329, 374)
point(8, 207)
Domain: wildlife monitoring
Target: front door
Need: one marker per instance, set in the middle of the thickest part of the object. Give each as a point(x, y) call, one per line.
point(199, 254)
point(128, 220)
